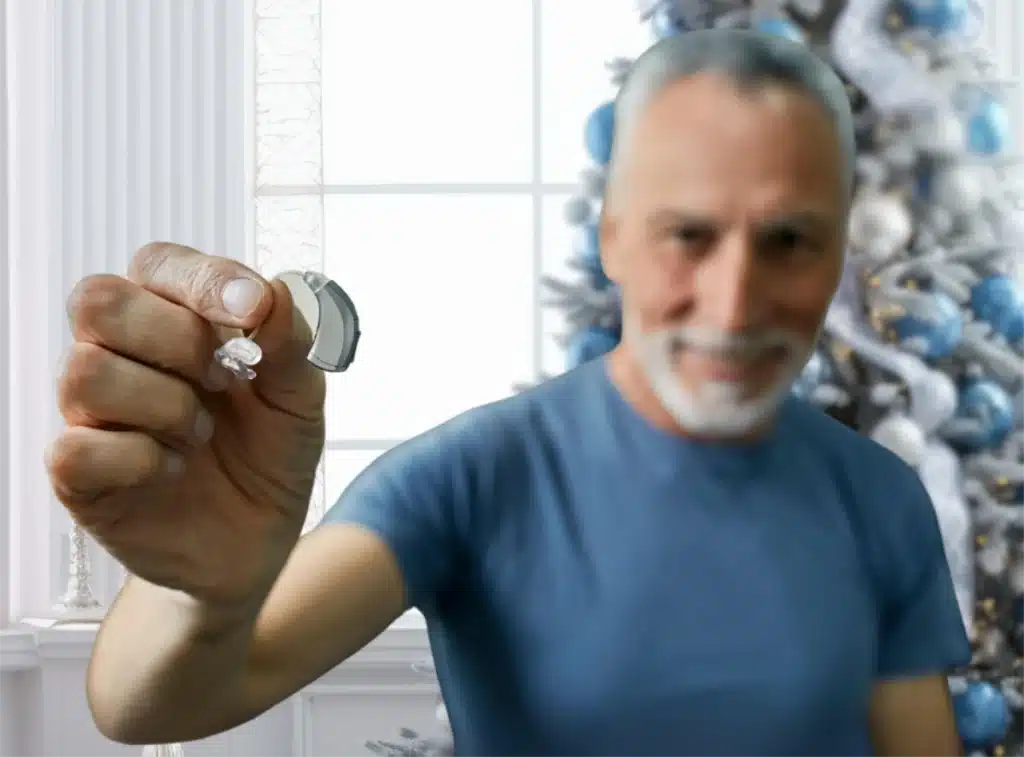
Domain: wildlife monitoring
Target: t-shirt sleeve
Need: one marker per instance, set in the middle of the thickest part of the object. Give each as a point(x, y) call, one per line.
point(407, 497)
point(922, 631)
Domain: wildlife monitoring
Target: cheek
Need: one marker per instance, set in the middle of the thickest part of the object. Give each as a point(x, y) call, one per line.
point(802, 298)
point(658, 295)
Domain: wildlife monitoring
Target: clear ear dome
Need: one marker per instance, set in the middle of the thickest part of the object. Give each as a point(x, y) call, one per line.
point(238, 355)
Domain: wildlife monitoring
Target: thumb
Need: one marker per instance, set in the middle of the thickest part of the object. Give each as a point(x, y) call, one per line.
point(285, 379)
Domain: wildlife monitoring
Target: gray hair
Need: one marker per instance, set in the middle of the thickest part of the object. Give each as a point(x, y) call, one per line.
point(751, 59)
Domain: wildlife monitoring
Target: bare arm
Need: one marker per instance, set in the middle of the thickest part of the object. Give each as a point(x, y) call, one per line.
point(165, 669)
point(914, 718)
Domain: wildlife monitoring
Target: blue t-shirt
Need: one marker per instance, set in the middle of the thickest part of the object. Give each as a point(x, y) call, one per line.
point(595, 586)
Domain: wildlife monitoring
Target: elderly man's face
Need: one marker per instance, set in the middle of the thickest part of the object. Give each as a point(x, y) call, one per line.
point(724, 227)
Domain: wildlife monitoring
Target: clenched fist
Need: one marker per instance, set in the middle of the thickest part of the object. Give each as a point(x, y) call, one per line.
point(193, 479)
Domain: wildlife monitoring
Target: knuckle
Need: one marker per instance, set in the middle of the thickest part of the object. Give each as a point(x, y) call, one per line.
point(96, 299)
point(180, 408)
point(149, 259)
point(68, 455)
point(84, 368)
point(151, 457)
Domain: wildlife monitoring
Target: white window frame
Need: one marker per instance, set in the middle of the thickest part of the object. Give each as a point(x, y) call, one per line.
point(537, 189)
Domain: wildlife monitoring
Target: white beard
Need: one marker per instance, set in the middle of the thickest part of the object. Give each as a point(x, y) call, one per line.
point(717, 408)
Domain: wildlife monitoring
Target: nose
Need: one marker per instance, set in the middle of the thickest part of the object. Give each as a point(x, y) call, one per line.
point(730, 297)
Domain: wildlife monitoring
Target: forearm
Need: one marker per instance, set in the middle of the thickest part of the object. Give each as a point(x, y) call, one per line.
point(165, 669)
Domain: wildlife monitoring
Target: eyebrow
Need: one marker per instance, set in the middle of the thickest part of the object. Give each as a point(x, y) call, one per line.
point(808, 221)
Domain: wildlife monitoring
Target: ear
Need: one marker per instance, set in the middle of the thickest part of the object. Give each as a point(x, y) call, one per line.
point(607, 239)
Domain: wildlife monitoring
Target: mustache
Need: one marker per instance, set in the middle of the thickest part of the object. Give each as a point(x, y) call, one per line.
point(746, 345)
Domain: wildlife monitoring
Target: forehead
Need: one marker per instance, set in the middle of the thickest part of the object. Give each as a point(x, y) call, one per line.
point(706, 135)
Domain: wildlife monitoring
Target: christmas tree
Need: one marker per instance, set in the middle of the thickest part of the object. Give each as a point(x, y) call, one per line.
point(922, 348)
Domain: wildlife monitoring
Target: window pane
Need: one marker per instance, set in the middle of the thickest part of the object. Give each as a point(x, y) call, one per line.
point(340, 469)
point(578, 37)
point(558, 238)
point(419, 92)
point(444, 287)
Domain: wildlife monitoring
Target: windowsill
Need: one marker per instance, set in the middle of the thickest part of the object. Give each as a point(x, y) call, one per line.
point(23, 647)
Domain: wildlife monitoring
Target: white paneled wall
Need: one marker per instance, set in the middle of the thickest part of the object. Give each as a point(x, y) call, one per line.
point(148, 126)
point(5, 344)
point(43, 710)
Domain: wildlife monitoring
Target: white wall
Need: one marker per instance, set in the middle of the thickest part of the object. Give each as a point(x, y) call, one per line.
point(370, 697)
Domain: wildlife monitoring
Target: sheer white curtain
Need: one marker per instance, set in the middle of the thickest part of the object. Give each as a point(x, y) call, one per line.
point(5, 293)
point(126, 124)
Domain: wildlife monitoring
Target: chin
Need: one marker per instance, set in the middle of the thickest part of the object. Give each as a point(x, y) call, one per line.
point(720, 410)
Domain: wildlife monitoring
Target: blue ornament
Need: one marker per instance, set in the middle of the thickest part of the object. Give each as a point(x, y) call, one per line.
point(598, 133)
point(666, 23)
point(988, 126)
point(990, 407)
point(999, 302)
point(982, 715)
point(940, 17)
point(939, 334)
point(589, 254)
point(589, 344)
point(781, 27)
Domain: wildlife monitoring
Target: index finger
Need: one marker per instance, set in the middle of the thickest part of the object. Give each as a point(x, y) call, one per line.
point(220, 290)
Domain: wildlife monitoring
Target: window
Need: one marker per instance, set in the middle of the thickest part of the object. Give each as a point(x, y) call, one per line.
point(431, 189)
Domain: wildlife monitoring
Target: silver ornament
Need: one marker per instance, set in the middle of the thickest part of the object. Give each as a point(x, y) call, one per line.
point(592, 182)
point(901, 436)
point(994, 557)
point(441, 713)
point(933, 399)
point(941, 133)
point(880, 225)
point(958, 188)
point(577, 211)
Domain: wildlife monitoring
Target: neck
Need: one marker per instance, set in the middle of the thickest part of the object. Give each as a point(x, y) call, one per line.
point(631, 381)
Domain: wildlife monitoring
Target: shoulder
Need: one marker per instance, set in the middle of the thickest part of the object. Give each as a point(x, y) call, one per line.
point(884, 498)
point(869, 470)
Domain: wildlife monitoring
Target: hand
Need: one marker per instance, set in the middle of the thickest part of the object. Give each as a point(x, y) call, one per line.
point(193, 479)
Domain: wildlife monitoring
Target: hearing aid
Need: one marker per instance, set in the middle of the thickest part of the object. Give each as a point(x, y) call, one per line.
point(328, 312)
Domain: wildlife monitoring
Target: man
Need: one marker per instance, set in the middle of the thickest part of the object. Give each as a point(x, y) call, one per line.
point(657, 553)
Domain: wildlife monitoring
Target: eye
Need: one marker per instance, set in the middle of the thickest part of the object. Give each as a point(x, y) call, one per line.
point(694, 236)
point(785, 243)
